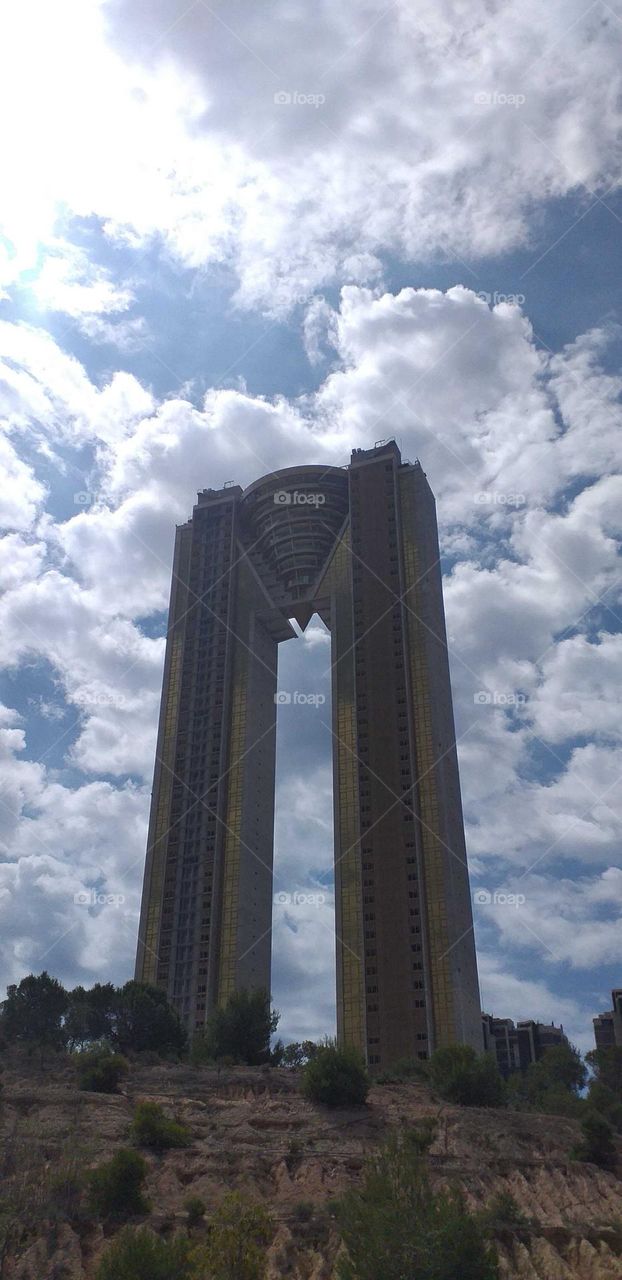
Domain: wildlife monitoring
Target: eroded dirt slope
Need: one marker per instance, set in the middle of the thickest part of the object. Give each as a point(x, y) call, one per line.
point(253, 1132)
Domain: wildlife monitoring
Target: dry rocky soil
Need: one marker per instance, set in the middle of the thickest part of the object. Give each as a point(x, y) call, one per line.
point(253, 1132)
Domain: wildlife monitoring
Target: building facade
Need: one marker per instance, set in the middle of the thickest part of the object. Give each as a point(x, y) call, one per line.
point(608, 1025)
point(534, 1038)
point(516, 1046)
point(359, 546)
point(501, 1039)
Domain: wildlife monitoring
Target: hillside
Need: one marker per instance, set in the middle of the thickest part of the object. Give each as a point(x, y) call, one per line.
point(252, 1131)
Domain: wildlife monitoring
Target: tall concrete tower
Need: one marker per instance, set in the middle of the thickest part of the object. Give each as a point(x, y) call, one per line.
point(358, 546)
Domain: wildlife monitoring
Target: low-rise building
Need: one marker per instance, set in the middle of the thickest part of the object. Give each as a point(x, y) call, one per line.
point(500, 1039)
point(608, 1025)
point(534, 1038)
point(516, 1046)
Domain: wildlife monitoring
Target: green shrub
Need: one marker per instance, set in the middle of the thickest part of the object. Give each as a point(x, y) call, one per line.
point(100, 1071)
point(195, 1210)
point(598, 1145)
point(115, 1188)
point(458, 1074)
point(396, 1226)
point(239, 1234)
point(336, 1077)
point(137, 1254)
point(502, 1213)
point(152, 1128)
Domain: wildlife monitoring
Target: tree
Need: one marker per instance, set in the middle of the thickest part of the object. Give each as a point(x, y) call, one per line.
point(296, 1054)
point(598, 1145)
point(239, 1234)
point(241, 1029)
point(552, 1084)
point(115, 1187)
point(146, 1020)
point(603, 1099)
point(137, 1254)
point(607, 1067)
point(560, 1066)
point(605, 1091)
point(397, 1228)
point(293, 1055)
point(90, 1014)
point(33, 1012)
point(336, 1076)
point(458, 1074)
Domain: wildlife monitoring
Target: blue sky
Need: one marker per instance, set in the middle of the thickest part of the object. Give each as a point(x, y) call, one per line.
point(200, 282)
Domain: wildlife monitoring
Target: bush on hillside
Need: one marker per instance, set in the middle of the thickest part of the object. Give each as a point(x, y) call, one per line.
point(115, 1188)
point(336, 1076)
point(597, 1145)
point(137, 1254)
point(502, 1213)
point(458, 1074)
point(100, 1071)
point(236, 1246)
point(396, 1226)
point(152, 1128)
point(602, 1099)
point(195, 1210)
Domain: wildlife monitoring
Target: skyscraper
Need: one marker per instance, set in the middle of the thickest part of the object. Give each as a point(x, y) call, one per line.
point(358, 546)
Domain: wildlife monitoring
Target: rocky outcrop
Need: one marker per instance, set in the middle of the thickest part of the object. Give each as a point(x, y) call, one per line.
point(253, 1132)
